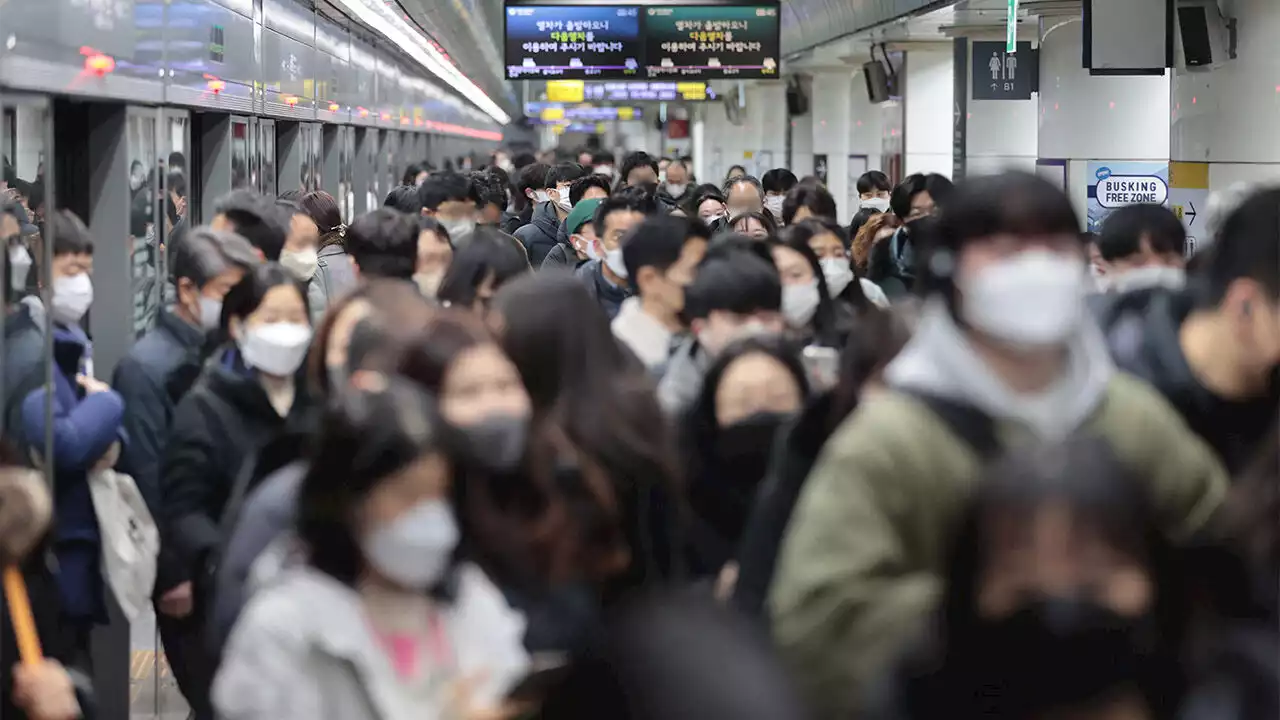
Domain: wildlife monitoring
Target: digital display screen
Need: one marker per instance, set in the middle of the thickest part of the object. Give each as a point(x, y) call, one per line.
point(563, 41)
point(712, 41)
point(652, 91)
point(576, 39)
point(548, 112)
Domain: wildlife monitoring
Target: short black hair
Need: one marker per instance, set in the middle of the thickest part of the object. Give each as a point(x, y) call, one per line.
point(816, 198)
point(411, 173)
point(176, 183)
point(938, 187)
point(1125, 228)
point(445, 186)
point(627, 199)
point(245, 297)
point(874, 181)
point(1247, 246)
point(384, 243)
point(405, 199)
point(532, 177)
point(524, 160)
point(602, 157)
point(765, 218)
point(736, 281)
point(564, 172)
point(35, 196)
point(778, 180)
point(501, 174)
point(637, 159)
point(70, 235)
point(255, 219)
point(1011, 203)
point(582, 184)
point(658, 241)
point(488, 254)
point(489, 189)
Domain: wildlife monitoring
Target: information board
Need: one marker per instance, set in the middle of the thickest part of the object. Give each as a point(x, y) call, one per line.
point(638, 91)
point(581, 39)
point(718, 41)
point(573, 41)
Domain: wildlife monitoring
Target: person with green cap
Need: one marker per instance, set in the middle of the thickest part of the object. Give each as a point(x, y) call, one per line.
point(574, 238)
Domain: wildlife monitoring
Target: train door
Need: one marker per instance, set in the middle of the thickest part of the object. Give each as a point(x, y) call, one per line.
point(331, 159)
point(346, 172)
point(364, 171)
point(266, 155)
point(315, 157)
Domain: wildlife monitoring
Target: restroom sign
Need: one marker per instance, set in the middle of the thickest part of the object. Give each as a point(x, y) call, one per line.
point(997, 74)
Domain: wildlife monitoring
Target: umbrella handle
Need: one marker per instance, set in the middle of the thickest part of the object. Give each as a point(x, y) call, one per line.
point(24, 624)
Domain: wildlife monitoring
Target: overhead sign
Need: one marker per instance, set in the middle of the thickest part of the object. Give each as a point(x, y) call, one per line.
point(1011, 28)
point(639, 91)
point(555, 112)
point(1117, 184)
point(581, 39)
point(565, 91)
point(1002, 75)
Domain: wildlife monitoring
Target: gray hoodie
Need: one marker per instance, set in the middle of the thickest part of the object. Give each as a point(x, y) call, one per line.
point(940, 361)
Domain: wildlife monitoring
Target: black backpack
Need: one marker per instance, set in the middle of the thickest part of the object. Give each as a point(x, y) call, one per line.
point(976, 428)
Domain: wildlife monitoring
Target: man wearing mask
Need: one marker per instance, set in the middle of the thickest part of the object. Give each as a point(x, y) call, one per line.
point(539, 236)
point(205, 264)
point(87, 414)
point(15, 228)
point(1003, 357)
point(661, 257)
point(580, 230)
point(892, 264)
point(384, 244)
point(531, 187)
point(451, 199)
point(677, 189)
point(1214, 350)
point(602, 163)
point(1141, 247)
point(734, 293)
point(873, 190)
point(777, 183)
point(606, 277)
point(300, 254)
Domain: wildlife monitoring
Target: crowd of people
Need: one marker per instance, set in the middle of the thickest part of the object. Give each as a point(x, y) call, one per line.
point(591, 439)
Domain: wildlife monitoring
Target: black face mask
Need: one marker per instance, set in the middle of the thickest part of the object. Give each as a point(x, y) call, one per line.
point(496, 443)
point(1059, 653)
point(742, 449)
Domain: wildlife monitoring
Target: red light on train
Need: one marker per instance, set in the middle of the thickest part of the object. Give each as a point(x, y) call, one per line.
point(333, 107)
point(404, 120)
point(386, 116)
point(97, 63)
point(215, 85)
point(363, 112)
point(291, 100)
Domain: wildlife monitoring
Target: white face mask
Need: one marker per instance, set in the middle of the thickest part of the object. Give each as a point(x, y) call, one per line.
point(606, 170)
point(713, 219)
point(593, 253)
point(1152, 276)
point(675, 190)
point(301, 263)
point(799, 303)
point(839, 273)
point(877, 204)
point(275, 348)
point(413, 551)
point(613, 259)
point(774, 205)
point(562, 200)
point(1033, 299)
point(19, 266)
point(210, 313)
point(458, 229)
point(72, 296)
point(428, 283)
point(541, 196)
point(715, 343)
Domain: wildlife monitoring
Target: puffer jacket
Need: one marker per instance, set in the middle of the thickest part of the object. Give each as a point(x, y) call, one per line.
point(539, 236)
point(335, 276)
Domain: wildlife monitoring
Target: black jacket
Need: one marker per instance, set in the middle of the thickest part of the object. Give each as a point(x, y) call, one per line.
point(143, 379)
point(511, 222)
point(609, 296)
point(891, 265)
point(563, 255)
point(1142, 331)
point(793, 457)
point(221, 425)
point(539, 236)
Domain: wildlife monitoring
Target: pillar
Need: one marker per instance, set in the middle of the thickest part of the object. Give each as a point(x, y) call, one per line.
point(832, 99)
point(929, 106)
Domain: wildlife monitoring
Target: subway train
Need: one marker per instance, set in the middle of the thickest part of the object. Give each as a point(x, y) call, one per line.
point(111, 105)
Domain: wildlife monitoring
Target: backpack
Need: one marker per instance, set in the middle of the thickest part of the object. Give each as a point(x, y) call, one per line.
point(976, 428)
point(129, 537)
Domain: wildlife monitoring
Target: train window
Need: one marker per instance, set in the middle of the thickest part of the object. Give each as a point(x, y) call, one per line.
point(346, 156)
point(267, 152)
point(392, 143)
point(240, 170)
point(317, 158)
point(376, 193)
point(176, 200)
point(145, 195)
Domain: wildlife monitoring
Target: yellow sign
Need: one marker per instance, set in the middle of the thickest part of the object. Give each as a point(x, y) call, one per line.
point(600, 129)
point(557, 129)
point(566, 91)
point(692, 90)
point(626, 113)
point(552, 114)
point(747, 154)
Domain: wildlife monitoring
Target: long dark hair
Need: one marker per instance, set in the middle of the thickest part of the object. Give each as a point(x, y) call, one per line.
point(826, 330)
point(323, 210)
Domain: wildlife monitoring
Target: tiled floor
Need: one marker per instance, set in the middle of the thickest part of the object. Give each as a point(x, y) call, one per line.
point(153, 694)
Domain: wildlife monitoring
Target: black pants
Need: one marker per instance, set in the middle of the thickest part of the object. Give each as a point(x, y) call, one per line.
point(189, 659)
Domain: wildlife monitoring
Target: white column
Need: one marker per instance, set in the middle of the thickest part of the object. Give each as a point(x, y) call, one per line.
point(929, 110)
point(1085, 117)
point(1227, 115)
point(697, 138)
point(832, 98)
point(29, 125)
point(1001, 134)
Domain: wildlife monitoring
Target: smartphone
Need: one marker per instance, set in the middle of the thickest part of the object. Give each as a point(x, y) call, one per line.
point(546, 672)
point(822, 365)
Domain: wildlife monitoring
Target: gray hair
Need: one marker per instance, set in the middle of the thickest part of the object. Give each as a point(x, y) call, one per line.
point(743, 179)
point(203, 254)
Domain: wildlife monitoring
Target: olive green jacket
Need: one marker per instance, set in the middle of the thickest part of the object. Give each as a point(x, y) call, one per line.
point(862, 561)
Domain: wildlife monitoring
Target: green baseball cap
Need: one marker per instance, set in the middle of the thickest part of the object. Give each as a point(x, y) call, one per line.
point(582, 214)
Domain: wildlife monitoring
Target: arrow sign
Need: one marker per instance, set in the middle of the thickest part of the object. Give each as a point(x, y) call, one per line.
point(1191, 213)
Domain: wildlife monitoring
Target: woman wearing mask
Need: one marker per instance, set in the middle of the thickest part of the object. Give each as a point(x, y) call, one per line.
point(613, 456)
point(366, 331)
point(478, 270)
point(807, 306)
point(382, 620)
point(1061, 600)
point(756, 225)
point(876, 339)
point(708, 205)
point(248, 395)
point(435, 254)
point(829, 243)
point(752, 389)
point(334, 276)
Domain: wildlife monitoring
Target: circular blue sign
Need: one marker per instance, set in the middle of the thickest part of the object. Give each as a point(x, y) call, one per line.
point(1103, 173)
